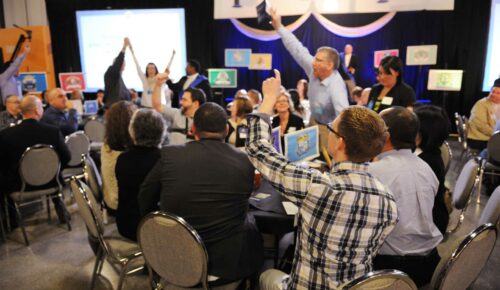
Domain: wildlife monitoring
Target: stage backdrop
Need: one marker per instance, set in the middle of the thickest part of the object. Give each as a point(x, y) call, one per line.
point(460, 35)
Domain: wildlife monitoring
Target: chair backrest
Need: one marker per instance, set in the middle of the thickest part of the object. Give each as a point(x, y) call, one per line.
point(466, 183)
point(491, 212)
point(494, 148)
point(459, 123)
point(39, 165)
point(446, 155)
point(92, 177)
point(78, 144)
point(88, 207)
point(381, 280)
point(459, 269)
point(173, 249)
point(94, 129)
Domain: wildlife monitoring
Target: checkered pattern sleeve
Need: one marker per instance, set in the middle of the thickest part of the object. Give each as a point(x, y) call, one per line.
point(284, 176)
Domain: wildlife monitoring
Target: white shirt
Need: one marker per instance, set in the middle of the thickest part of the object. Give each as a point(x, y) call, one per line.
point(189, 80)
point(347, 60)
point(414, 186)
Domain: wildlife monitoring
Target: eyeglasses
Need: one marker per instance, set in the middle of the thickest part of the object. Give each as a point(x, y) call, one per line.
point(333, 131)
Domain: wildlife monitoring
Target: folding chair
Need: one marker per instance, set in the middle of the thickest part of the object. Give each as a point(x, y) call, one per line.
point(175, 251)
point(464, 187)
point(79, 145)
point(491, 165)
point(491, 212)
point(38, 166)
point(460, 268)
point(95, 129)
point(446, 155)
point(381, 280)
point(124, 255)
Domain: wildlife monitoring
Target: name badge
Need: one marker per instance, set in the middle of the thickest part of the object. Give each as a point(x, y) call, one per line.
point(387, 101)
point(243, 132)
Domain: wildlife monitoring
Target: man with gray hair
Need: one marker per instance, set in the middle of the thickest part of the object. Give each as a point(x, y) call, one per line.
point(327, 91)
point(12, 114)
point(15, 140)
point(147, 129)
point(61, 113)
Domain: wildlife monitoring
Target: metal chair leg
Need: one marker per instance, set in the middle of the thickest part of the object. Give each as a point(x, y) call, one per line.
point(123, 273)
point(95, 273)
point(4, 236)
point(482, 164)
point(21, 224)
point(7, 215)
point(48, 209)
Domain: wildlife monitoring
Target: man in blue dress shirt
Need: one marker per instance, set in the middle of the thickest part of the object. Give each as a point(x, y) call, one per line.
point(411, 246)
point(327, 91)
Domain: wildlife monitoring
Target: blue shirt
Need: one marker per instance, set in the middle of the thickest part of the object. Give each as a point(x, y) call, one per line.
point(66, 121)
point(414, 186)
point(9, 85)
point(327, 97)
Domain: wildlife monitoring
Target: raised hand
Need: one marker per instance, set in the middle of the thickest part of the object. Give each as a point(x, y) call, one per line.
point(161, 78)
point(271, 89)
point(276, 19)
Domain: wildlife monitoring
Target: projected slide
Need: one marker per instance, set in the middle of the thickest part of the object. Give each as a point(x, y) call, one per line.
point(154, 33)
point(492, 67)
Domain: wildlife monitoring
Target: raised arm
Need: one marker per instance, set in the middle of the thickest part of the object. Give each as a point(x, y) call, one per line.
point(156, 97)
point(14, 66)
point(116, 67)
point(140, 73)
point(290, 180)
point(298, 51)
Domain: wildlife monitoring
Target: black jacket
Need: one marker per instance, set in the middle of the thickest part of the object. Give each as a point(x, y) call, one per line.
point(208, 183)
point(15, 140)
point(131, 169)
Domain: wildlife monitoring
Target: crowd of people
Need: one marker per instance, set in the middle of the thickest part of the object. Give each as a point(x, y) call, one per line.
point(381, 206)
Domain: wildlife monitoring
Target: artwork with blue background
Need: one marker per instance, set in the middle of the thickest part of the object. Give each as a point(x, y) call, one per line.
point(33, 82)
point(302, 145)
point(237, 57)
point(91, 107)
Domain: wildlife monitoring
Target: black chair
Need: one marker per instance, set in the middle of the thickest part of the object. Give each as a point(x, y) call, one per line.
point(39, 165)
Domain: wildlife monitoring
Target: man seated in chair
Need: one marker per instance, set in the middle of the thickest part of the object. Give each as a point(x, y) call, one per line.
point(345, 215)
point(208, 182)
point(61, 112)
point(411, 246)
point(15, 140)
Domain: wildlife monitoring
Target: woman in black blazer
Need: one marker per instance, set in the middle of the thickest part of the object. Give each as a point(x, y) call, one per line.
point(148, 130)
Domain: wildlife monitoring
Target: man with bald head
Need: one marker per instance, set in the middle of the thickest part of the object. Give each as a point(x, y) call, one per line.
point(61, 113)
point(350, 61)
point(12, 114)
point(15, 140)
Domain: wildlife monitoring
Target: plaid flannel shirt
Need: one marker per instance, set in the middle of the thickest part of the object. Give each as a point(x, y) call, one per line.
point(344, 215)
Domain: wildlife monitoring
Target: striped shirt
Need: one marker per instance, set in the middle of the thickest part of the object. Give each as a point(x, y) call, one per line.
point(344, 215)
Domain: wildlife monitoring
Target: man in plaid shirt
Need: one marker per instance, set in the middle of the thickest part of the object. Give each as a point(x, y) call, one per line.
point(344, 215)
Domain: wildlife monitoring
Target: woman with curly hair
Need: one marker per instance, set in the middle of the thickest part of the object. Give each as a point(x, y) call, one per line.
point(116, 140)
